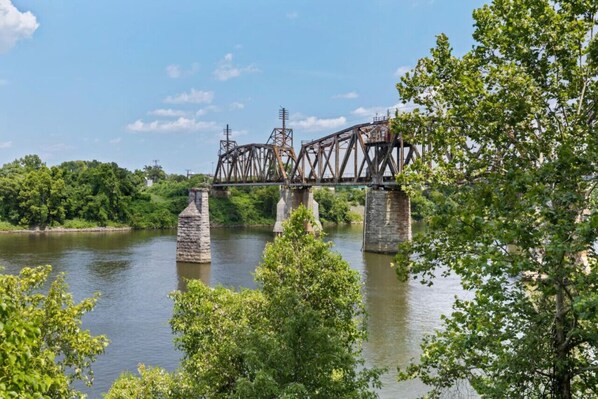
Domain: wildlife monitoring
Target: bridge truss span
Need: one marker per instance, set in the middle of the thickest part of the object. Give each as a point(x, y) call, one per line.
point(255, 164)
point(365, 154)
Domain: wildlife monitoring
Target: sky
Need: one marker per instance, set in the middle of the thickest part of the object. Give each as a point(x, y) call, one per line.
point(134, 82)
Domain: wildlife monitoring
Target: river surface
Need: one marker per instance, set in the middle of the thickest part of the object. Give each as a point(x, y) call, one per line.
point(135, 271)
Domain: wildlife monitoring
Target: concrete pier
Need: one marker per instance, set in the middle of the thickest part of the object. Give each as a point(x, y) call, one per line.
point(290, 199)
point(387, 220)
point(193, 232)
point(219, 192)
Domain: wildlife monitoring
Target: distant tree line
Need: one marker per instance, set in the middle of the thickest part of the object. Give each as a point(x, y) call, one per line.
point(78, 194)
point(89, 193)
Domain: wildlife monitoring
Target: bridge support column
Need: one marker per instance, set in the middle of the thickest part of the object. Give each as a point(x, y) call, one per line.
point(220, 192)
point(387, 220)
point(193, 232)
point(290, 199)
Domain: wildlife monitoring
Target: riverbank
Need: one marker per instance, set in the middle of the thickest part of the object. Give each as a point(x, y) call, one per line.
point(65, 230)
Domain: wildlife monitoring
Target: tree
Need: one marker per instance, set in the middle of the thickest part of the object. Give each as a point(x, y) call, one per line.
point(41, 197)
point(155, 173)
point(512, 174)
point(42, 346)
point(315, 307)
point(154, 383)
point(333, 207)
point(297, 336)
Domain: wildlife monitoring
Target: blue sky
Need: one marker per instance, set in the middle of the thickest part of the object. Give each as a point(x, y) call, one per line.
point(136, 81)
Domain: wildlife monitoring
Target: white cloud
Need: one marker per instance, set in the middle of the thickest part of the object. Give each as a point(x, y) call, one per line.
point(226, 70)
point(236, 105)
point(313, 123)
point(59, 147)
point(368, 112)
point(402, 70)
point(115, 140)
point(167, 112)
point(173, 71)
point(347, 96)
point(180, 125)
point(292, 15)
point(193, 97)
point(14, 25)
point(234, 134)
point(5, 144)
point(206, 110)
point(176, 71)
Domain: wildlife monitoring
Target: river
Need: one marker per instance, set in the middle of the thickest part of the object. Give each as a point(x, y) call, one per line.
point(135, 271)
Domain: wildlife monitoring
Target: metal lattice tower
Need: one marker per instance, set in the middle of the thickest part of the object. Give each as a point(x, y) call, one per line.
point(227, 144)
point(282, 137)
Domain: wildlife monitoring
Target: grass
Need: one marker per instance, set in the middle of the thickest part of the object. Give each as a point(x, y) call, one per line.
point(78, 224)
point(5, 226)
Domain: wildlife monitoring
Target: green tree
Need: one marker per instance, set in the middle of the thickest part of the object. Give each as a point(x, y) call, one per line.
point(155, 173)
point(41, 196)
point(315, 307)
point(154, 383)
point(334, 207)
point(513, 164)
point(43, 349)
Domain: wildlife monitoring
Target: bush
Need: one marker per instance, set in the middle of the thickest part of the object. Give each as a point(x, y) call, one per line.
point(42, 347)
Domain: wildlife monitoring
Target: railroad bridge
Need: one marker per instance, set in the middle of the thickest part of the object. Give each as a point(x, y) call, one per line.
point(367, 154)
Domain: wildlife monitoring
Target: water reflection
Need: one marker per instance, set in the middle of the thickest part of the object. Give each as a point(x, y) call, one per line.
point(236, 252)
point(388, 309)
point(187, 271)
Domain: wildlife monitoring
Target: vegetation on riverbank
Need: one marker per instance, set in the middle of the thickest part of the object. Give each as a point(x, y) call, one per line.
point(88, 194)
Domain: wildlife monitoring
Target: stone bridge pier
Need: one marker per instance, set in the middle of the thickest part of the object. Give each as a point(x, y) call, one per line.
point(291, 199)
point(193, 231)
point(387, 220)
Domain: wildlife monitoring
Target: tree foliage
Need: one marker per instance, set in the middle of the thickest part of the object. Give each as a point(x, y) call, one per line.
point(89, 193)
point(31, 193)
point(154, 383)
point(512, 177)
point(245, 206)
point(155, 173)
point(43, 349)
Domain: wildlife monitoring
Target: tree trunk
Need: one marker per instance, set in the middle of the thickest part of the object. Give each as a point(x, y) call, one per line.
point(562, 376)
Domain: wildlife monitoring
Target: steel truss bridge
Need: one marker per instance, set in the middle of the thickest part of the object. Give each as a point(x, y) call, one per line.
point(365, 154)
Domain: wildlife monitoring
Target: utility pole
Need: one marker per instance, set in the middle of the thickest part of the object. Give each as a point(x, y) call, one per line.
point(284, 115)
